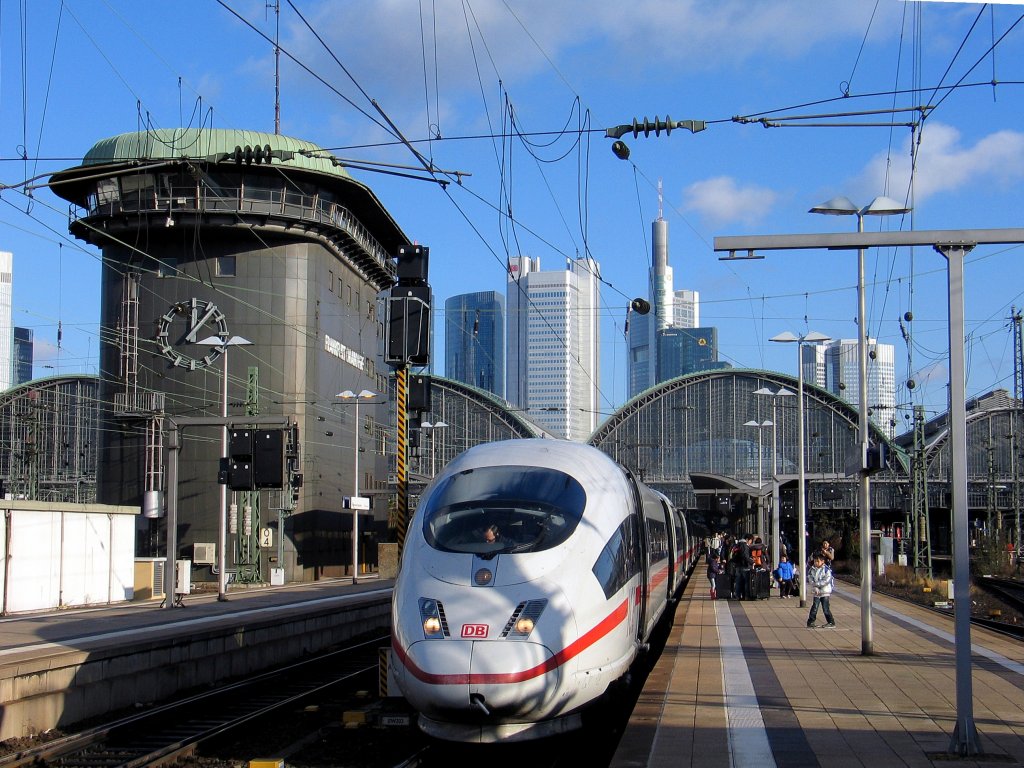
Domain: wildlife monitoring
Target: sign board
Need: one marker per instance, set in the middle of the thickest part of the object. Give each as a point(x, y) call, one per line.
point(266, 538)
point(357, 502)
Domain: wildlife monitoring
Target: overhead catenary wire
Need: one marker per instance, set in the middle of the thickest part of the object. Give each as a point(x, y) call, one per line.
point(519, 223)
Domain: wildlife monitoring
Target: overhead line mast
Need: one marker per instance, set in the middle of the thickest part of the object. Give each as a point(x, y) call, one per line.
point(277, 67)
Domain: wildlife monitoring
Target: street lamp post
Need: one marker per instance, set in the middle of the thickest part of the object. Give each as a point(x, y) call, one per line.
point(880, 206)
point(355, 502)
point(811, 337)
point(760, 498)
point(426, 425)
point(222, 525)
point(783, 392)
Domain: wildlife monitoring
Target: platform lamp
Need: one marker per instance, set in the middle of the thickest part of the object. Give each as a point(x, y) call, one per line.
point(880, 206)
point(811, 337)
point(222, 525)
point(776, 523)
point(356, 501)
point(760, 425)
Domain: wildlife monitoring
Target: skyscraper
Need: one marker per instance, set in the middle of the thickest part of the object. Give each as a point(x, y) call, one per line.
point(669, 309)
point(474, 333)
point(687, 350)
point(686, 309)
point(6, 323)
point(23, 356)
point(835, 366)
point(553, 360)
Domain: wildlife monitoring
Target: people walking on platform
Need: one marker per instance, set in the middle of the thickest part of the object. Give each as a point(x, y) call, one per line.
point(715, 570)
point(728, 561)
point(819, 579)
point(784, 574)
point(827, 552)
point(744, 563)
point(725, 548)
point(759, 553)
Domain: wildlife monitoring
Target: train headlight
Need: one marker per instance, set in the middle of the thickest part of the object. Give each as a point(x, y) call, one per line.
point(483, 577)
point(432, 618)
point(523, 619)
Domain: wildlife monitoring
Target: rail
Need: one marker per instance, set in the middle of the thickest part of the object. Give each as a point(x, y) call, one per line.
point(242, 201)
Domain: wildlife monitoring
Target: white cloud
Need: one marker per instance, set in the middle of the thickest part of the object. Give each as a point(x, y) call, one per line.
point(722, 200)
point(513, 41)
point(945, 163)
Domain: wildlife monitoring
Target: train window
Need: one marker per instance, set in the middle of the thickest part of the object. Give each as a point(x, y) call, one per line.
point(619, 560)
point(495, 510)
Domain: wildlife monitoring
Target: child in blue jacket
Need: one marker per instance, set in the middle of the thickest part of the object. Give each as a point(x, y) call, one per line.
point(784, 574)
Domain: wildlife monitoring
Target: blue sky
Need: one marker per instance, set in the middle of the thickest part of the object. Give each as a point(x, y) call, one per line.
point(464, 72)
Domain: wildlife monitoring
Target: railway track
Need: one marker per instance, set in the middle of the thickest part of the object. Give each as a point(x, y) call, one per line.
point(1004, 588)
point(171, 731)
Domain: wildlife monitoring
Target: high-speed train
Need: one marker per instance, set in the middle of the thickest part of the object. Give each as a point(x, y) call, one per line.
point(534, 572)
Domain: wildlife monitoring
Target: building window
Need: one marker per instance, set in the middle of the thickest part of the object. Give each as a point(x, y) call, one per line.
point(225, 266)
point(167, 267)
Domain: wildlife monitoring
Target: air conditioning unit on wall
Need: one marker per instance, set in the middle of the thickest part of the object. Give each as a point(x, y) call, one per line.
point(204, 554)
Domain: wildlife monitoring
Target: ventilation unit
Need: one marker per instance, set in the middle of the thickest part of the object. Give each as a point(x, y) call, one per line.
point(204, 554)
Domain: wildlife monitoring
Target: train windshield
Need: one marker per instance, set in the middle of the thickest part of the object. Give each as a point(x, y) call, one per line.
point(494, 510)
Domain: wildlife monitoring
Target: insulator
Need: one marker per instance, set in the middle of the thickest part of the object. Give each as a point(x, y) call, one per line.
point(247, 520)
point(233, 519)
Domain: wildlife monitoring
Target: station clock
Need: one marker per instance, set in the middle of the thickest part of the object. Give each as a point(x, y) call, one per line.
point(183, 325)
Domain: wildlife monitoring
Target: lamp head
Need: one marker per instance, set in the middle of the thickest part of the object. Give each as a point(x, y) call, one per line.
point(837, 206)
point(884, 206)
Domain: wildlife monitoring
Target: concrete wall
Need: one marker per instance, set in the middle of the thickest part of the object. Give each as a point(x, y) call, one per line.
point(67, 685)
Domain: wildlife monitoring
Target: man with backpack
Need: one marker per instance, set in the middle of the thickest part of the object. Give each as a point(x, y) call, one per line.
point(743, 563)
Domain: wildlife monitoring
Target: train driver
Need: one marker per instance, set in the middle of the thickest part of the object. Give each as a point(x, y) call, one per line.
point(491, 534)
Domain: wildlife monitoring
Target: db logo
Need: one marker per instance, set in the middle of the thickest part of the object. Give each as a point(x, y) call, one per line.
point(474, 630)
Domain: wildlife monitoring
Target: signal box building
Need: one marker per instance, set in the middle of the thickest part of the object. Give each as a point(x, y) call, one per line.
point(267, 250)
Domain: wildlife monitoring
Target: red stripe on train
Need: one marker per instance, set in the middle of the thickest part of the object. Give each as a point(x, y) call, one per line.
point(611, 621)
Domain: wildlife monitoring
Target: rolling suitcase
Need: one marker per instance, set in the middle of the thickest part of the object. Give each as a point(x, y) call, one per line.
point(760, 585)
point(723, 586)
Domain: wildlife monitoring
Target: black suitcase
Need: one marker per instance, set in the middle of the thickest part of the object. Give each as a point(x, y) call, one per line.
point(723, 586)
point(760, 585)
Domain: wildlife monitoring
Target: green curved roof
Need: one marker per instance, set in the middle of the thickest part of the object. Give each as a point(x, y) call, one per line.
point(179, 143)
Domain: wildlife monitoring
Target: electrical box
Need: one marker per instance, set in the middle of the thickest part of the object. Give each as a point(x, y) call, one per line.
point(182, 577)
point(149, 578)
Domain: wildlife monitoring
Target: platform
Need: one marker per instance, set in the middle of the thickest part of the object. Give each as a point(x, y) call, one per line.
point(59, 667)
point(748, 684)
